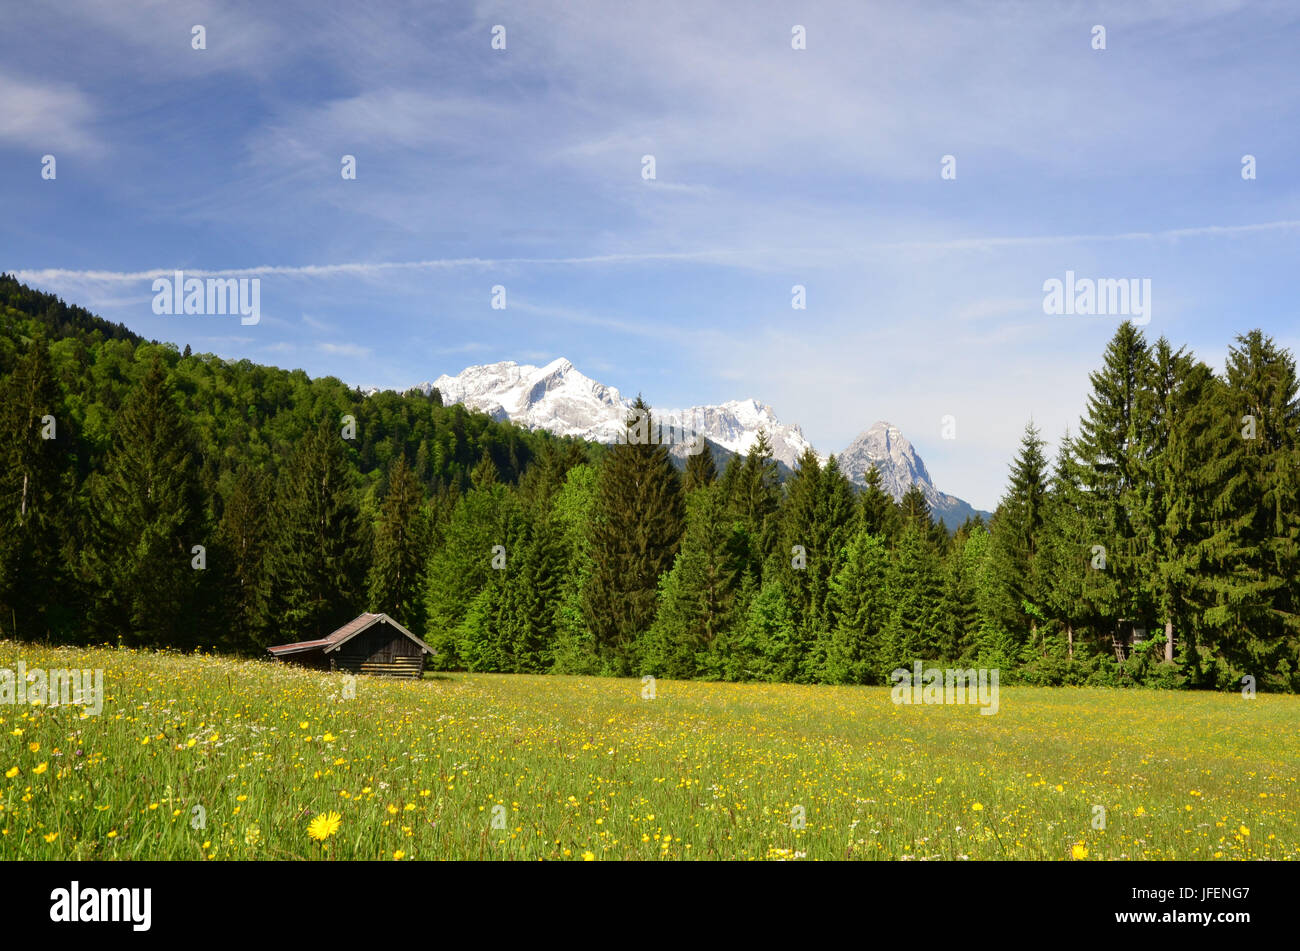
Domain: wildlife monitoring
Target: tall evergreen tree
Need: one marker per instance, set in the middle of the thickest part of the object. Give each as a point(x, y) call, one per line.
point(240, 551)
point(35, 436)
point(1254, 552)
point(146, 518)
point(1190, 430)
point(635, 531)
point(1065, 552)
point(1017, 535)
point(753, 491)
point(1113, 445)
point(317, 566)
point(878, 512)
point(468, 560)
point(701, 469)
point(914, 590)
point(698, 596)
point(401, 550)
point(860, 612)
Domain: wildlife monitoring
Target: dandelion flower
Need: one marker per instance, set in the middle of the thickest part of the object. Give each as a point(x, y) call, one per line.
point(50, 837)
point(34, 747)
point(42, 768)
point(588, 857)
point(11, 772)
point(324, 826)
point(1079, 850)
point(976, 807)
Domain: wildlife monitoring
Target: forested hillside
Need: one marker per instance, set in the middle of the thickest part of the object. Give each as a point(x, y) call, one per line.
point(153, 497)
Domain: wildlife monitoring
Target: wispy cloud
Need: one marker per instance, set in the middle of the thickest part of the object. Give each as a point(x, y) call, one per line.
point(712, 256)
point(47, 118)
point(344, 349)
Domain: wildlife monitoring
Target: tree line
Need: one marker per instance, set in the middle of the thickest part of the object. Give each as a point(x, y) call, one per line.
point(1160, 546)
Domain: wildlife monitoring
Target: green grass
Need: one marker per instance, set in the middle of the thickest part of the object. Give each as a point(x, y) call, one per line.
point(585, 766)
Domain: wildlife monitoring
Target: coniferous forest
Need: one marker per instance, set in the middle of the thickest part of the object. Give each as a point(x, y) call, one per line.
point(161, 498)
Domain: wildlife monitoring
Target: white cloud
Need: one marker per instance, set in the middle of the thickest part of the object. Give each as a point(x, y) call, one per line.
point(50, 118)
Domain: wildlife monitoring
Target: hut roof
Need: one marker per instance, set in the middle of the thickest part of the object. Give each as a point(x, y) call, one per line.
point(333, 642)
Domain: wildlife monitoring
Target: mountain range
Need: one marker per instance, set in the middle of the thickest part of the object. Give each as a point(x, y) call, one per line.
point(560, 399)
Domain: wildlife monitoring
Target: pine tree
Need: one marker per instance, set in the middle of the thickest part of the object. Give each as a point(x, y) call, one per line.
point(636, 527)
point(240, 551)
point(697, 597)
point(534, 587)
point(878, 513)
point(753, 491)
point(1065, 553)
point(401, 550)
point(860, 612)
point(475, 548)
point(1017, 536)
point(701, 469)
point(1254, 552)
point(146, 517)
point(959, 616)
point(1113, 446)
point(914, 594)
point(35, 435)
point(574, 649)
point(1190, 432)
point(318, 562)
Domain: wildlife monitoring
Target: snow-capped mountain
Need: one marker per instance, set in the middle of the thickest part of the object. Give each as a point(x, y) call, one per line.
point(558, 398)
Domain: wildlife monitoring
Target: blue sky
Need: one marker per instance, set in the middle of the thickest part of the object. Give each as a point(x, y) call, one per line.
point(775, 167)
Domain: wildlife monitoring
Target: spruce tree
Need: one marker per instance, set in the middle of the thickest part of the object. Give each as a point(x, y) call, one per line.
point(1254, 552)
point(753, 490)
point(1065, 554)
point(701, 469)
point(318, 562)
point(635, 531)
point(914, 592)
point(860, 611)
point(697, 597)
point(241, 546)
point(468, 560)
point(1190, 433)
point(146, 518)
point(1016, 534)
point(1113, 445)
point(878, 512)
point(35, 438)
point(401, 550)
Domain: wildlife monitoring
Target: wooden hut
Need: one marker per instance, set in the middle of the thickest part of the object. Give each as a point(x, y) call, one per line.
point(370, 644)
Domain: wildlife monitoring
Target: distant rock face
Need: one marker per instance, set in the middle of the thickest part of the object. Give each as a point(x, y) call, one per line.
point(561, 400)
point(885, 447)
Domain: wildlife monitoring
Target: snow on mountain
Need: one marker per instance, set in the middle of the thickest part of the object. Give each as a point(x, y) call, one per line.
point(561, 400)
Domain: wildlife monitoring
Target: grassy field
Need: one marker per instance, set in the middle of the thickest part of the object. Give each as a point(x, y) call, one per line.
point(584, 768)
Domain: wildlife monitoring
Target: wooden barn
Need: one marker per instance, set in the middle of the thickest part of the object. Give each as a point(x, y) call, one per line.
point(371, 644)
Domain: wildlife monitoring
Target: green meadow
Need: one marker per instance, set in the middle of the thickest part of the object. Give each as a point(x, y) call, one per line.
point(200, 757)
